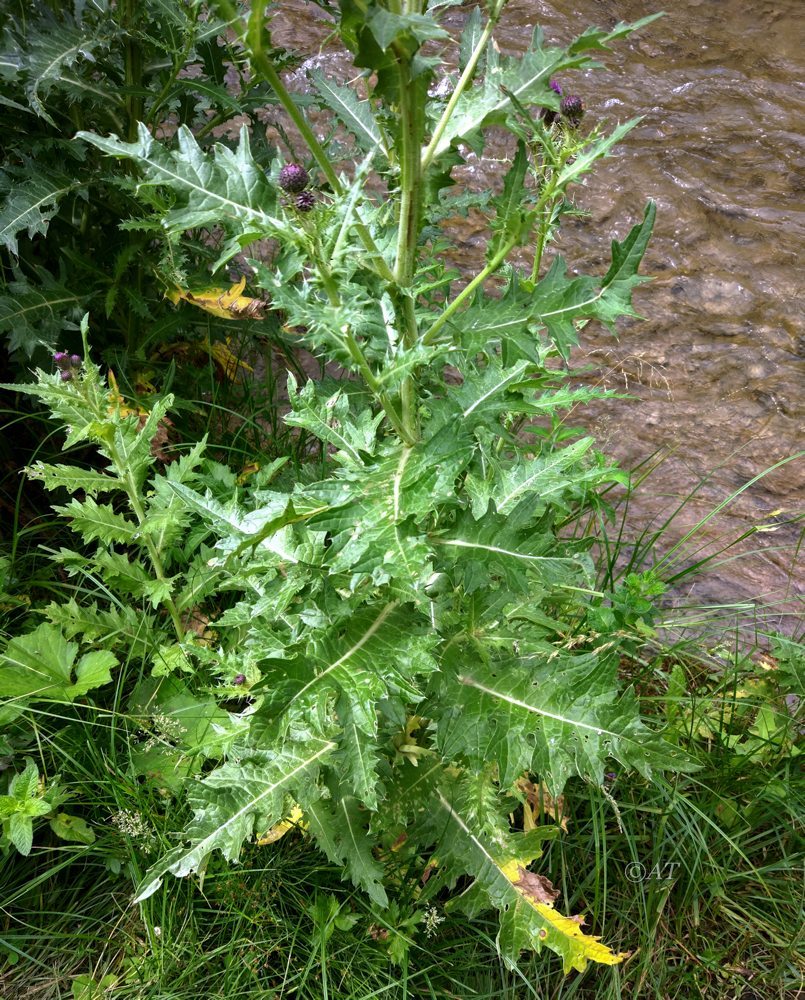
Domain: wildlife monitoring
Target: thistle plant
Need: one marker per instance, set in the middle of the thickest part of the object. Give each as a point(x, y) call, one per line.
point(404, 623)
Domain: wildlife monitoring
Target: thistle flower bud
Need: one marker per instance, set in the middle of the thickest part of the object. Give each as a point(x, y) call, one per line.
point(305, 201)
point(62, 360)
point(75, 360)
point(66, 376)
point(293, 177)
point(556, 87)
point(572, 109)
point(239, 679)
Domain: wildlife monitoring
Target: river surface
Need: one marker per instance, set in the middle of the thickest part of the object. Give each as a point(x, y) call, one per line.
point(717, 367)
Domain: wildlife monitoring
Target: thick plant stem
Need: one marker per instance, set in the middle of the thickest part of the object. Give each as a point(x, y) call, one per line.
point(411, 129)
point(545, 211)
point(133, 70)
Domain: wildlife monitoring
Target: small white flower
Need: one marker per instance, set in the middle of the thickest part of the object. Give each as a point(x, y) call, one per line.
point(432, 920)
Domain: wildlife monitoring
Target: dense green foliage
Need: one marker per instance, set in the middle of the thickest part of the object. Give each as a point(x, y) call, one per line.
point(393, 636)
point(66, 67)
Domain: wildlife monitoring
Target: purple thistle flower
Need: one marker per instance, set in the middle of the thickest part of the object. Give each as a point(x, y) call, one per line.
point(572, 109)
point(66, 376)
point(305, 201)
point(293, 177)
point(62, 360)
point(556, 87)
point(239, 679)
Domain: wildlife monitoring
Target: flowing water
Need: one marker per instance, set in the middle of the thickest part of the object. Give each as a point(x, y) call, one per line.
point(717, 367)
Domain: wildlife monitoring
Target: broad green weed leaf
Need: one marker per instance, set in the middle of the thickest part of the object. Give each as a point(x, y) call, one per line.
point(40, 666)
point(24, 803)
point(72, 828)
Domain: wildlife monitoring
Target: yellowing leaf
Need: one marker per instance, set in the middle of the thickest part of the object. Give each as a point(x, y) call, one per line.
point(293, 819)
point(525, 899)
point(220, 302)
point(538, 892)
point(539, 801)
point(589, 948)
point(248, 470)
point(226, 360)
point(116, 402)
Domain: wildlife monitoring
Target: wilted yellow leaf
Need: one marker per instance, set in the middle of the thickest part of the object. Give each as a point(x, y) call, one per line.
point(293, 819)
point(229, 362)
point(117, 403)
point(538, 800)
point(538, 892)
point(221, 302)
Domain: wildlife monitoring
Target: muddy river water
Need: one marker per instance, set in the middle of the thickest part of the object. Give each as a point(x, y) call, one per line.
point(717, 367)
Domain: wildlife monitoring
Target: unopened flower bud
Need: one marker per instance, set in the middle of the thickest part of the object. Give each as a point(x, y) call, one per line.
point(572, 109)
point(239, 679)
point(66, 376)
point(293, 177)
point(62, 360)
point(305, 201)
point(75, 360)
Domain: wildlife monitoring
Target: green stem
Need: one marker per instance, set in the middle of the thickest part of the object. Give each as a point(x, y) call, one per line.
point(411, 129)
point(153, 554)
point(133, 70)
point(263, 65)
point(545, 207)
point(357, 355)
point(464, 81)
point(479, 278)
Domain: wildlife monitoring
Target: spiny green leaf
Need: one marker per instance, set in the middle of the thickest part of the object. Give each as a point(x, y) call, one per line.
point(331, 421)
point(512, 221)
point(552, 714)
point(233, 803)
point(52, 48)
point(227, 188)
point(99, 522)
point(378, 654)
point(355, 115)
point(72, 478)
point(544, 476)
point(33, 314)
point(113, 626)
point(30, 206)
point(339, 827)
